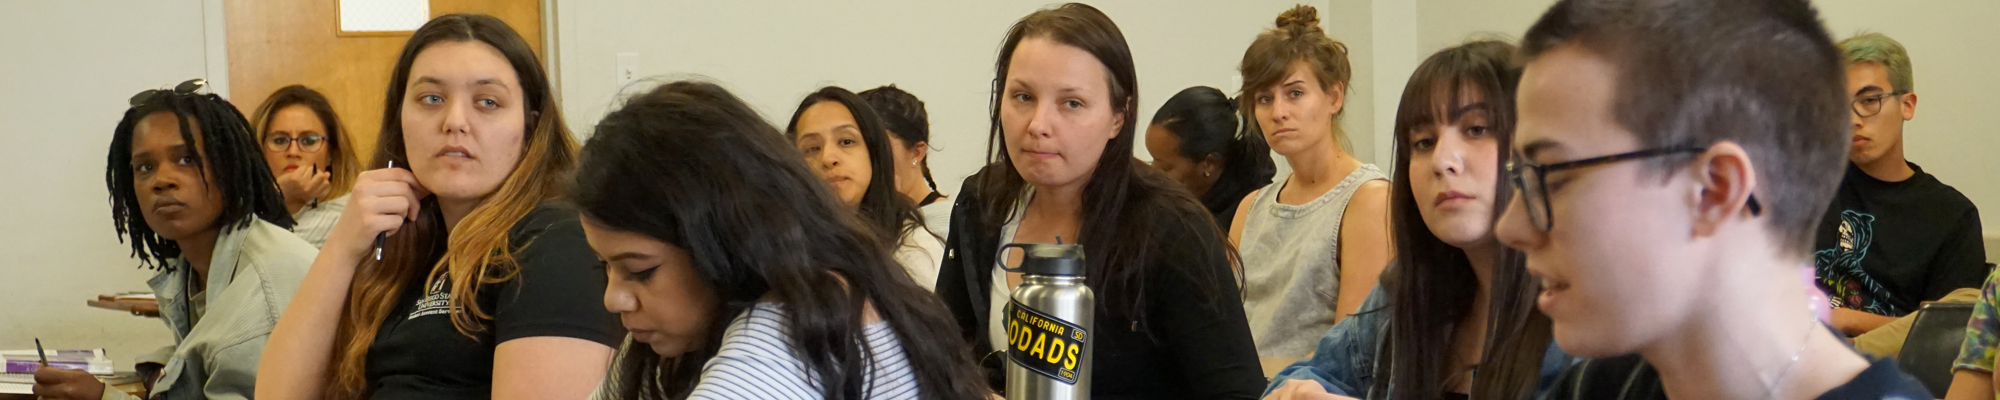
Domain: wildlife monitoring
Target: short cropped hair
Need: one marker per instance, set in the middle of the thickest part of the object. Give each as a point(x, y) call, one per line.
point(1761, 73)
point(1881, 49)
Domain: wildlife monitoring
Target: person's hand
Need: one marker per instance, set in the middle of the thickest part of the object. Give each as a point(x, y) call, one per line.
point(149, 374)
point(1301, 389)
point(303, 185)
point(66, 384)
point(381, 201)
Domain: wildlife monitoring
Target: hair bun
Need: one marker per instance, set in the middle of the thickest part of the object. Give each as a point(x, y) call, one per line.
point(1300, 20)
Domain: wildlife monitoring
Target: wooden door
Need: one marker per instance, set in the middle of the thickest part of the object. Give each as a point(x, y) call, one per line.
point(277, 43)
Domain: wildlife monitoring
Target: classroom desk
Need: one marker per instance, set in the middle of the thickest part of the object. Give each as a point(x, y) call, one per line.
point(134, 388)
point(138, 307)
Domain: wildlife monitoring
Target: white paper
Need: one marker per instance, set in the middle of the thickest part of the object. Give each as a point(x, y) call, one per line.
point(383, 15)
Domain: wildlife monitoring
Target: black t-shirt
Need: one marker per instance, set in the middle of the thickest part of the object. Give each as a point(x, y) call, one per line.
point(1885, 247)
point(419, 354)
point(1631, 378)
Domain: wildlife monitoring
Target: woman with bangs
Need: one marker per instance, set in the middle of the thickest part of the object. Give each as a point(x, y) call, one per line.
point(1454, 316)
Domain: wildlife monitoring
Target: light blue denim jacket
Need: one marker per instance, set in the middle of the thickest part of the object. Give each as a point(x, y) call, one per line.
point(251, 279)
point(1344, 360)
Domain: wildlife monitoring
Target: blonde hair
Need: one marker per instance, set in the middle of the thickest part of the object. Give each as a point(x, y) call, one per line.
point(1296, 37)
point(1881, 49)
point(477, 251)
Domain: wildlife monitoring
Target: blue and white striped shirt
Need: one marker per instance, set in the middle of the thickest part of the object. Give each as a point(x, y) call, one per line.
point(757, 360)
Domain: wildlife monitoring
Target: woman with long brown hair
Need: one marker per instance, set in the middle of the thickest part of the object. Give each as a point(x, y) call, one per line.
point(312, 156)
point(1455, 302)
point(484, 288)
point(1168, 320)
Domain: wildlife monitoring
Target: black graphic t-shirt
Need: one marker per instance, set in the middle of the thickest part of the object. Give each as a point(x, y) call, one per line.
point(1885, 247)
point(419, 354)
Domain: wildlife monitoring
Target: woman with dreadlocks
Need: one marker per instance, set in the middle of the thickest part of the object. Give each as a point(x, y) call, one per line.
point(190, 192)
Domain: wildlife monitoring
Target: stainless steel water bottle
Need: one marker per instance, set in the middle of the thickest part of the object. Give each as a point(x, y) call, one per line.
point(1048, 325)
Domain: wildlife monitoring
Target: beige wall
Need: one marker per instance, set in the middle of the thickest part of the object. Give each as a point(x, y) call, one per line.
point(68, 71)
point(774, 53)
point(71, 65)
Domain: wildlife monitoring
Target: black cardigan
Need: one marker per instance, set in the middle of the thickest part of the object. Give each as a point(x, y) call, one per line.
point(1189, 347)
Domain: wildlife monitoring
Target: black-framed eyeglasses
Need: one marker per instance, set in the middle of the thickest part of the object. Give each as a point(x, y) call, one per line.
point(310, 142)
point(1530, 185)
point(1868, 106)
point(188, 87)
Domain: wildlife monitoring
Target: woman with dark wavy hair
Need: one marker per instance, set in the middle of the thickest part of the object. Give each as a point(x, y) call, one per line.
point(739, 272)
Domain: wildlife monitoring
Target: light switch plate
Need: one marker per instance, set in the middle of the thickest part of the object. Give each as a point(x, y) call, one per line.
point(628, 69)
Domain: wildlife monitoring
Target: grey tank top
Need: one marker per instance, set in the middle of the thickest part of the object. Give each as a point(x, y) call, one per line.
point(1291, 265)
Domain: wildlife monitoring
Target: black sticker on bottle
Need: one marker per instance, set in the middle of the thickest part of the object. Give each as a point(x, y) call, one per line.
point(1043, 343)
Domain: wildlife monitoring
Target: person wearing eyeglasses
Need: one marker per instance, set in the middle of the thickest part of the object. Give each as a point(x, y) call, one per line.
point(308, 149)
point(1893, 236)
point(190, 196)
point(1667, 195)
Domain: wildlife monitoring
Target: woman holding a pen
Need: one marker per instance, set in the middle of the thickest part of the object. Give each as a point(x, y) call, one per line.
point(190, 193)
point(484, 288)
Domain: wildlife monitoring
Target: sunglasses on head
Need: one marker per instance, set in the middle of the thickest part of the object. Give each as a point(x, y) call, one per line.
point(184, 88)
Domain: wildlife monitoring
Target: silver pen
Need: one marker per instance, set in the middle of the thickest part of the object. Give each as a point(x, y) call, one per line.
point(383, 234)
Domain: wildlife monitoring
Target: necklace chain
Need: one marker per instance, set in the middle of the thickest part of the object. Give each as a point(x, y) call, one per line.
point(1812, 323)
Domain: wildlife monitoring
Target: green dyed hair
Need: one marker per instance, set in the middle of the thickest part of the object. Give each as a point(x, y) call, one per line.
point(1880, 49)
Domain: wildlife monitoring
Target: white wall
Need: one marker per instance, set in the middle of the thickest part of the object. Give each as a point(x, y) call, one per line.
point(68, 71)
point(1953, 45)
point(774, 53)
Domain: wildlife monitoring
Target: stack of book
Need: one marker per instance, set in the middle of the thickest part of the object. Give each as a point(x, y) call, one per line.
point(26, 361)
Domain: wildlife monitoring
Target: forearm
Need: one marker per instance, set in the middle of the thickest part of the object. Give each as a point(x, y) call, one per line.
point(1855, 322)
point(548, 367)
point(1970, 385)
point(294, 363)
